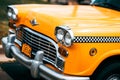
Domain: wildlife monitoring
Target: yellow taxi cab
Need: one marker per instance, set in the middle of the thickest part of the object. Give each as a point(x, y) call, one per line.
point(66, 42)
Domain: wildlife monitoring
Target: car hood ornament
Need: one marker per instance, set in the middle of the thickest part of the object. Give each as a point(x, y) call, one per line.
point(34, 22)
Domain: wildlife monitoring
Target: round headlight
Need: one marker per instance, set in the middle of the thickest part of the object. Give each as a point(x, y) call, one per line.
point(64, 35)
point(60, 34)
point(12, 13)
point(68, 39)
point(14, 17)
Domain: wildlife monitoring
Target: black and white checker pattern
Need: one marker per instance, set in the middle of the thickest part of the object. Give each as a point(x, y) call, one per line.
point(96, 39)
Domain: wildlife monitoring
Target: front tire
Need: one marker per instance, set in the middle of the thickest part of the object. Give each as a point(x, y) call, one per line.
point(110, 71)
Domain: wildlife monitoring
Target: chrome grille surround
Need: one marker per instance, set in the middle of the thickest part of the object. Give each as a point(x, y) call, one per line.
point(40, 42)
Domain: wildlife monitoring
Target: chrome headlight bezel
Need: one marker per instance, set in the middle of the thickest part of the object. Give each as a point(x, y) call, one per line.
point(12, 13)
point(68, 37)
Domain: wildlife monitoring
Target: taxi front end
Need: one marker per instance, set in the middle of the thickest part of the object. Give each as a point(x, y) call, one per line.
point(36, 40)
point(59, 42)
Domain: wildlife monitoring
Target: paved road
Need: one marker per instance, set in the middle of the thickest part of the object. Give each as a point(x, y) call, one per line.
point(12, 70)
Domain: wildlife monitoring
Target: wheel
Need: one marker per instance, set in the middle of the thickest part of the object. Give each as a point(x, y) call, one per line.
point(114, 77)
point(110, 71)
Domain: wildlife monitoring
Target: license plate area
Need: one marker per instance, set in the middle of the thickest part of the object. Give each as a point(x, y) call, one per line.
point(26, 49)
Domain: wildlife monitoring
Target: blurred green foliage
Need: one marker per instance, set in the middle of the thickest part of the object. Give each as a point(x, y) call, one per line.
point(5, 3)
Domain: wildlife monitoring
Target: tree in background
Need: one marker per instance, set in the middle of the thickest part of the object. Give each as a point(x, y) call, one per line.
point(48, 0)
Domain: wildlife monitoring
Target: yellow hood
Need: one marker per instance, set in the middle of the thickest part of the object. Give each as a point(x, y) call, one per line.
point(83, 20)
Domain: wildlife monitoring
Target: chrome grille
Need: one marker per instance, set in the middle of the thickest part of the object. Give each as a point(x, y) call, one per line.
point(19, 34)
point(38, 42)
point(60, 63)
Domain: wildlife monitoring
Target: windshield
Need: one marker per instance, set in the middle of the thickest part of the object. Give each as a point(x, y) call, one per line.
point(113, 4)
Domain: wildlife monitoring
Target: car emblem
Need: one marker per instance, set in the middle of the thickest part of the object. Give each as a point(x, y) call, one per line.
point(34, 22)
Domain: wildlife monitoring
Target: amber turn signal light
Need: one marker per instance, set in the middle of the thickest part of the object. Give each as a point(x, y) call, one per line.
point(63, 51)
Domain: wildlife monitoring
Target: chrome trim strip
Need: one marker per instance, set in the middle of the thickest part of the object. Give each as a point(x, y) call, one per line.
point(18, 42)
point(50, 74)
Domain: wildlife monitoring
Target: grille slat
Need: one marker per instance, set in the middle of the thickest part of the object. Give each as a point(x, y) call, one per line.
point(19, 35)
point(48, 56)
point(48, 60)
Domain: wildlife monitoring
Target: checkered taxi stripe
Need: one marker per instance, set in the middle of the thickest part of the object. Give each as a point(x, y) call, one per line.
point(96, 39)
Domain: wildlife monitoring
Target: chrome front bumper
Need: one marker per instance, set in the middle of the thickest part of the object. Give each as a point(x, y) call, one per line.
point(36, 65)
